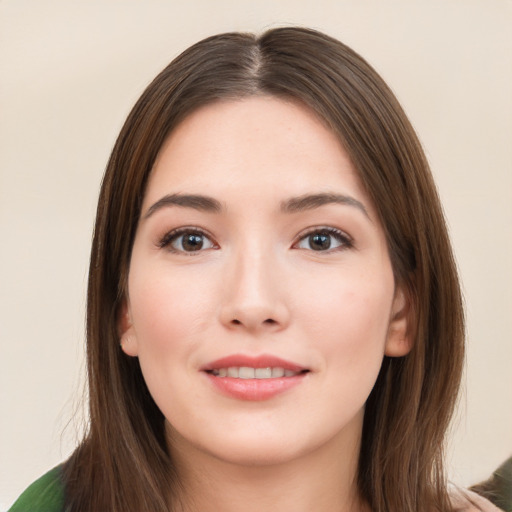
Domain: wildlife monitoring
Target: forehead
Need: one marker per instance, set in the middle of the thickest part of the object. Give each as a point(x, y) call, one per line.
point(258, 145)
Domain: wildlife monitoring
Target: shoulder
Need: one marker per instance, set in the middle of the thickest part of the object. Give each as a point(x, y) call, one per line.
point(468, 501)
point(45, 495)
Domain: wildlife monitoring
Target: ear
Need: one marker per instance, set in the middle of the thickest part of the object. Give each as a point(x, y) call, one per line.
point(128, 339)
point(400, 336)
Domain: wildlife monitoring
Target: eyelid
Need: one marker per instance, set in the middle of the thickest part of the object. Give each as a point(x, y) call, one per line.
point(165, 241)
point(346, 241)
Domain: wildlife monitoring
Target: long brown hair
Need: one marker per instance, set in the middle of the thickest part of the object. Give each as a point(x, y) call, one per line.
point(123, 462)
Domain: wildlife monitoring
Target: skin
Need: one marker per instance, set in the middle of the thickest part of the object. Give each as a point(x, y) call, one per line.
point(258, 286)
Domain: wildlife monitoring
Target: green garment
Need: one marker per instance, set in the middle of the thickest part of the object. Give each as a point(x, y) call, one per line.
point(498, 488)
point(44, 495)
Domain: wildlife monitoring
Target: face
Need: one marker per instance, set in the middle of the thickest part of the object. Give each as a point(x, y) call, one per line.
point(261, 299)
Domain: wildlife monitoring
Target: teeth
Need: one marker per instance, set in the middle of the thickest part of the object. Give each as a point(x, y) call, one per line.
point(277, 372)
point(233, 372)
point(245, 372)
point(263, 373)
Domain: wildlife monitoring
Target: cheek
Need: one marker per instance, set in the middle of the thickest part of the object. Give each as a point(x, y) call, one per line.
point(167, 314)
point(350, 325)
point(168, 310)
point(349, 316)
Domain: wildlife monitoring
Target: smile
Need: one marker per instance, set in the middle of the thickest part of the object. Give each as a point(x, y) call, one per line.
point(254, 378)
point(246, 372)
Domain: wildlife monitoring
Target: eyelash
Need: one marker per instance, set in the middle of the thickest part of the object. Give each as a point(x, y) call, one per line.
point(172, 236)
point(345, 241)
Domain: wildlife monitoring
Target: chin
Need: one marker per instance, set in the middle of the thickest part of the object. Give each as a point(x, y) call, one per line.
point(249, 447)
point(258, 453)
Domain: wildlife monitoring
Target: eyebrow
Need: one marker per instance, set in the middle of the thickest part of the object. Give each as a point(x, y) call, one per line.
point(197, 202)
point(312, 201)
point(292, 205)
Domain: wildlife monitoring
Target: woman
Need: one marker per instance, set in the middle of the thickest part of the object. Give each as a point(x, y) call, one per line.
point(274, 315)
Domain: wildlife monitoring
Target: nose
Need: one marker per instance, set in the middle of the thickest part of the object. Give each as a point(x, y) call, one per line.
point(253, 296)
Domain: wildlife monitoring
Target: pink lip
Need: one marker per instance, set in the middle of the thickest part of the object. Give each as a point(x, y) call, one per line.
point(253, 389)
point(262, 361)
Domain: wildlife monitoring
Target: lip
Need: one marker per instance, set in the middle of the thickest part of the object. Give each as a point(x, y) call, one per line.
point(261, 361)
point(254, 389)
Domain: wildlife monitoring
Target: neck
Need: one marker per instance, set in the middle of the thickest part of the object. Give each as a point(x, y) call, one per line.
point(324, 480)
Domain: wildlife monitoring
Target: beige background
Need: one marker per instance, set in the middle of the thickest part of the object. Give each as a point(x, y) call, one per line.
point(69, 73)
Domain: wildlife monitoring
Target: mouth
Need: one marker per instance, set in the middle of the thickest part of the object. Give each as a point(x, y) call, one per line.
point(247, 372)
point(254, 378)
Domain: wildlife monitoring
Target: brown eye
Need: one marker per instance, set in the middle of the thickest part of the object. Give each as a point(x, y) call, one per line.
point(187, 241)
point(324, 240)
point(191, 242)
point(319, 241)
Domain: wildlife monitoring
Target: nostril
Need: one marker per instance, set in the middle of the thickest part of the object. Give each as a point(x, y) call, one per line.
point(268, 321)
